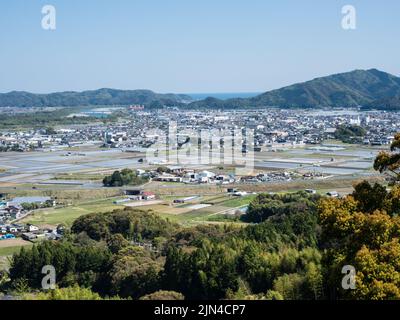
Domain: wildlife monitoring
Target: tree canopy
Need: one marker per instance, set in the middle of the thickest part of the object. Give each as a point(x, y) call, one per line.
point(123, 178)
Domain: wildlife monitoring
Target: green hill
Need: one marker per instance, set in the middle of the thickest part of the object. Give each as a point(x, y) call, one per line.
point(90, 98)
point(351, 89)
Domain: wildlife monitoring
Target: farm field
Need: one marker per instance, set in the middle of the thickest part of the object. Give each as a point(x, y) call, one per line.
point(8, 247)
point(9, 251)
point(185, 213)
point(188, 214)
point(206, 194)
point(67, 215)
point(80, 176)
point(9, 243)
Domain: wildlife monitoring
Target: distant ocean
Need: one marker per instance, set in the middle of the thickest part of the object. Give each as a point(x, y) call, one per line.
point(223, 96)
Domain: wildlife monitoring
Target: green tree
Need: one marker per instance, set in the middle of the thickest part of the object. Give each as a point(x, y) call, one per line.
point(134, 273)
point(116, 242)
point(163, 295)
point(273, 295)
point(290, 286)
point(209, 272)
point(389, 162)
point(70, 293)
point(314, 281)
point(122, 178)
point(369, 198)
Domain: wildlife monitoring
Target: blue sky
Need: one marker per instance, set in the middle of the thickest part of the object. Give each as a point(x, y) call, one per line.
point(189, 46)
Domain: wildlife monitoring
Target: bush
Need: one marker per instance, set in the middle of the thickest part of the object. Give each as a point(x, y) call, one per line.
point(163, 295)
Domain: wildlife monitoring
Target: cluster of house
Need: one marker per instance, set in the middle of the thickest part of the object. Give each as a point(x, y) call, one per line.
point(185, 175)
point(29, 232)
point(272, 128)
point(10, 212)
point(16, 208)
point(283, 128)
point(278, 127)
point(190, 176)
point(13, 210)
point(40, 139)
point(280, 176)
point(24, 141)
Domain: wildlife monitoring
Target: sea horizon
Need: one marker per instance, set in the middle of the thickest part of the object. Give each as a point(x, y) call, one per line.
point(223, 95)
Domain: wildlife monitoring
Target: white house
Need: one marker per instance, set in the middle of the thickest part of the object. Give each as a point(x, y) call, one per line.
point(32, 228)
point(207, 174)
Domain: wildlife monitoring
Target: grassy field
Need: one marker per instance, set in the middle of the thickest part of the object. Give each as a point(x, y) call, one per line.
point(239, 201)
point(67, 215)
point(189, 218)
point(183, 213)
point(80, 176)
point(179, 213)
point(65, 196)
point(8, 248)
point(9, 251)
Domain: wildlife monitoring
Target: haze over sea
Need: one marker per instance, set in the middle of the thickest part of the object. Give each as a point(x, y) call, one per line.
point(223, 96)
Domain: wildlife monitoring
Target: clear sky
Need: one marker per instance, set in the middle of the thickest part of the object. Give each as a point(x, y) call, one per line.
point(189, 46)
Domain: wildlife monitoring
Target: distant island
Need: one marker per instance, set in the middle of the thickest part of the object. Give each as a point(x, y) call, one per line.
point(368, 89)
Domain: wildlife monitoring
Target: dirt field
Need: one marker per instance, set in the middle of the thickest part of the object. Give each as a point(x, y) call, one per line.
point(143, 203)
point(167, 209)
point(13, 243)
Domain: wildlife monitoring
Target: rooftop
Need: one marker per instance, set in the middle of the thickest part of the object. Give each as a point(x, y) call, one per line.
point(21, 200)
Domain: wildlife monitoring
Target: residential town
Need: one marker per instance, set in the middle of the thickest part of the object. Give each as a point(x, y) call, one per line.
point(273, 128)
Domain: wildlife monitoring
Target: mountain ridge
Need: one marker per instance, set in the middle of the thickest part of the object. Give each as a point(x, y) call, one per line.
point(368, 89)
point(103, 96)
point(356, 88)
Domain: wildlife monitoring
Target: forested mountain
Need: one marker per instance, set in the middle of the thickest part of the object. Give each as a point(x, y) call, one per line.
point(351, 89)
point(90, 98)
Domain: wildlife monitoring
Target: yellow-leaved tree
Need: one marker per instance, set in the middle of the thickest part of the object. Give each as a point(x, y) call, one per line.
point(362, 230)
